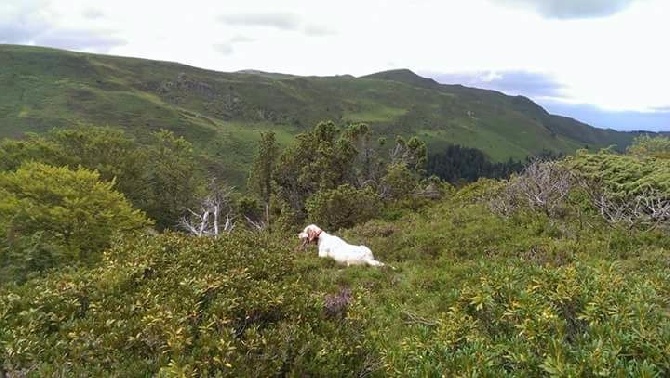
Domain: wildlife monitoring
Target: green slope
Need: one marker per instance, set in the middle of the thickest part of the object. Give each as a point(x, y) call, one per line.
point(222, 113)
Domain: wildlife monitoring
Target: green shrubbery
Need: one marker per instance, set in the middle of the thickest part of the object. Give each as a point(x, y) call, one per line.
point(172, 304)
point(472, 293)
point(576, 320)
point(343, 207)
point(159, 175)
point(51, 216)
point(521, 277)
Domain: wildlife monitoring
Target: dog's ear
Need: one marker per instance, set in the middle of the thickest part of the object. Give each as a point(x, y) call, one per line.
point(302, 245)
point(313, 232)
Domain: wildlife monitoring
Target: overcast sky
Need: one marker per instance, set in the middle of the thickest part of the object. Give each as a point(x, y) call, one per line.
point(601, 61)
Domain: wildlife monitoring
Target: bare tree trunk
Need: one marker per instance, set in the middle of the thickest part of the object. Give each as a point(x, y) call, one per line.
point(216, 219)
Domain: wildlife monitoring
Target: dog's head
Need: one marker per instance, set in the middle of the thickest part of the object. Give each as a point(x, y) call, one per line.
point(309, 234)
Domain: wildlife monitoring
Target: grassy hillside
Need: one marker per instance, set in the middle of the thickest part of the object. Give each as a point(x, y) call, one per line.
point(221, 113)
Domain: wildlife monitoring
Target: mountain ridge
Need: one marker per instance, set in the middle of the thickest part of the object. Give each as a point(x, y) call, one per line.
point(222, 113)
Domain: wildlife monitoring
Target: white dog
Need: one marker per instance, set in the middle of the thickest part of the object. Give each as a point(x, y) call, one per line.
point(337, 249)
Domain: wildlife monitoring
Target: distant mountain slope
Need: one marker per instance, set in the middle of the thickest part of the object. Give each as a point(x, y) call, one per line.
point(222, 113)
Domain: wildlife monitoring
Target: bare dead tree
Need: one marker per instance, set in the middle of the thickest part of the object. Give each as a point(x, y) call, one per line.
point(542, 186)
point(649, 209)
point(653, 208)
point(210, 220)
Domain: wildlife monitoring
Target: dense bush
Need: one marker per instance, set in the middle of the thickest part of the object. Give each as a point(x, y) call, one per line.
point(51, 216)
point(576, 320)
point(631, 191)
point(343, 207)
point(333, 160)
point(159, 176)
point(623, 175)
point(173, 304)
point(645, 145)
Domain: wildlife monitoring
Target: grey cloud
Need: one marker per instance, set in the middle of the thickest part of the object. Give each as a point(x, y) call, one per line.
point(241, 39)
point(21, 32)
point(24, 22)
point(526, 83)
point(569, 9)
point(93, 14)
point(225, 48)
point(545, 90)
point(662, 109)
point(318, 31)
point(620, 120)
point(228, 47)
point(20, 21)
point(282, 21)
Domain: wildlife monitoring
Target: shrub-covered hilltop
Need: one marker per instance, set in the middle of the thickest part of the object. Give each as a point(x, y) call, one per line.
point(121, 259)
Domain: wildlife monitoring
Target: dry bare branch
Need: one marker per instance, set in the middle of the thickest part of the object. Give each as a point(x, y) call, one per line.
point(208, 222)
point(258, 225)
point(649, 209)
point(412, 318)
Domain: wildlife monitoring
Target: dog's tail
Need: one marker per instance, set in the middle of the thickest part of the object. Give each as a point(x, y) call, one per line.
point(373, 262)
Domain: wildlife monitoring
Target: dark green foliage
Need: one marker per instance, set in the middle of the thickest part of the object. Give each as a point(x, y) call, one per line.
point(263, 168)
point(398, 183)
point(411, 153)
point(31, 255)
point(463, 164)
point(172, 179)
point(343, 207)
point(320, 160)
point(249, 207)
point(315, 176)
point(161, 177)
